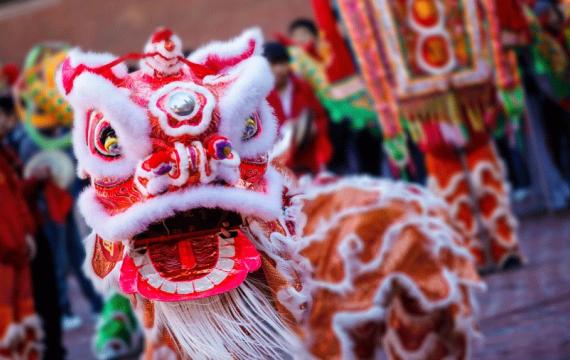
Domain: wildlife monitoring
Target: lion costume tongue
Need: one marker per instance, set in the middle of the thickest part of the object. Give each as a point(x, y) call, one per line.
point(183, 268)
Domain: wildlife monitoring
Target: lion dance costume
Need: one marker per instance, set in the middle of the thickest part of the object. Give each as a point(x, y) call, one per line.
point(40, 107)
point(428, 66)
point(20, 327)
point(223, 253)
point(47, 119)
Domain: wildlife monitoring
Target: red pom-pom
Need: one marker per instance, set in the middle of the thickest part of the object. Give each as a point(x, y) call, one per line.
point(10, 72)
point(161, 34)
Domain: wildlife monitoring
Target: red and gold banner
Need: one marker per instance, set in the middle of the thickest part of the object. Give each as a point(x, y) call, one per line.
point(428, 66)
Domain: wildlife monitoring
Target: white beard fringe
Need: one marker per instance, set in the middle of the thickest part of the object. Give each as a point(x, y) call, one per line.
point(239, 324)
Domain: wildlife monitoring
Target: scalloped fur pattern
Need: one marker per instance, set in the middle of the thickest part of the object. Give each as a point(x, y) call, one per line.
point(424, 213)
point(451, 192)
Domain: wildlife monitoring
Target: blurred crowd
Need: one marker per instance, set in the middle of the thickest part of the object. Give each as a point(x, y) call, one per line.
point(41, 232)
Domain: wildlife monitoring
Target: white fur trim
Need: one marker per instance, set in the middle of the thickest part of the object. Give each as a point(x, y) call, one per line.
point(13, 334)
point(284, 141)
point(91, 59)
point(265, 142)
point(496, 170)
point(60, 165)
point(245, 95)
point(34, 322)
point(392, 339)
point(287, 250)
point(230, 48)
point(129, 120)
point(137, 218)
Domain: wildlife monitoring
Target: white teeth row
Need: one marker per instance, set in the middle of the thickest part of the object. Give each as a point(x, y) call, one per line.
point(220, 272)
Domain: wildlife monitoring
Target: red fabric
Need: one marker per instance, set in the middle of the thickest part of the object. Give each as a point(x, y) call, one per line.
point(341, 65)
point(275, 102)
point(511, 16)
point(162, 34)
point(16, 220)
point(10, 72)
point(59, 202)
point(318, 151)
point(284, 39)
point(310, 48)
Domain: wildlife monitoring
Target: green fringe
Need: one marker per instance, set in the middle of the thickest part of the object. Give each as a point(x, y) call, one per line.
point(397, 150)
point(513, 102)
point(340, 110)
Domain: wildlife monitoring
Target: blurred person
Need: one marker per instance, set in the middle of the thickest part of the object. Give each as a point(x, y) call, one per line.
point(297, 107)
point(550, 17)
point(21, 332)
point(303, 32)
point(43, 140)
point(549, 51)
point(42, 268)
point(321, 57)
point(547, 73)
point(544, 67)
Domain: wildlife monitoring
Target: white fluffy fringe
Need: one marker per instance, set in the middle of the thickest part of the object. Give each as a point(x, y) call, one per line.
point(239, 324)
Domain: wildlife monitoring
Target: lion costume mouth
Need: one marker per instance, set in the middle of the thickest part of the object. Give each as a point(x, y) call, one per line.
point(176, 155)
point(191, 255)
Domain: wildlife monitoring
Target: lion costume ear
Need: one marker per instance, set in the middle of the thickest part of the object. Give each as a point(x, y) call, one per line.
point(89, 82)
point(219, 55)
point(247, 81)
point(78, 62)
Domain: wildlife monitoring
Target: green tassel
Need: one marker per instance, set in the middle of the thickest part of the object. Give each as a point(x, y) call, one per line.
point(404, 175)
point(339, 110)
point(397, 150)
point(513, 102)
point(117, 322)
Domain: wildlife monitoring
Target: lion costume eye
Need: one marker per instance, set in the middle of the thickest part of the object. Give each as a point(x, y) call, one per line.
point(108, 143)
point(251, 128)
point(102, 137)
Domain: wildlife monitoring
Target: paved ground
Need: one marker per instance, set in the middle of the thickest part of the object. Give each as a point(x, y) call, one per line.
point(78, 341)
point(525, 314)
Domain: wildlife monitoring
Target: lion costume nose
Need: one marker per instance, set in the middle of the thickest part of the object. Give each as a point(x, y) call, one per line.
point(183, 165)
point(219, 147)
point(169, 45)
point(160, 162)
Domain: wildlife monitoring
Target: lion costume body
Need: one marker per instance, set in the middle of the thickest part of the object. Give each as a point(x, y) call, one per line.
point(223, 252)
